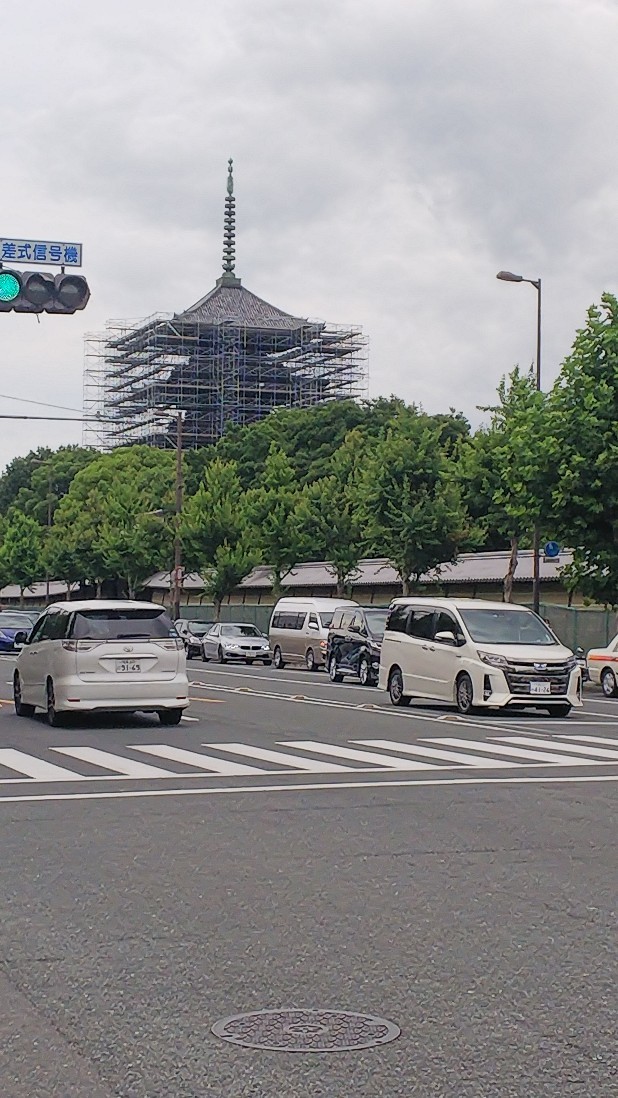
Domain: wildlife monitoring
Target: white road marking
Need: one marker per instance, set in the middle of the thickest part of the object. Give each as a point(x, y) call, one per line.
point(592, 739)
point(35, 768)
point(574, 748)
point(197, 758)
point(334, 786)
point(390, 762)
point(108, 761)
point(293, 762)
point(517, 752)
point(435, 753)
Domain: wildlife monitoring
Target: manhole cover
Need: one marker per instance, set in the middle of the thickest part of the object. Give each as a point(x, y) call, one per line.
point(305, 1030)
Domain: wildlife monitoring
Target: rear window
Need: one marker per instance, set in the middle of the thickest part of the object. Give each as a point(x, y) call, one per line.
point(121, 624)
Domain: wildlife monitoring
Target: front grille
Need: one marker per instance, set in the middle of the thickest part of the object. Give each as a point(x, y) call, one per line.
point(520, 675)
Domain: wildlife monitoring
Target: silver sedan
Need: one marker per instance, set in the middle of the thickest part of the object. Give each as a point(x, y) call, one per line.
point(236, 641)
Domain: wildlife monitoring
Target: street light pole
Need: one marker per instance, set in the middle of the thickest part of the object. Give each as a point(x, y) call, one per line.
point(508, 276)
point(177, 577)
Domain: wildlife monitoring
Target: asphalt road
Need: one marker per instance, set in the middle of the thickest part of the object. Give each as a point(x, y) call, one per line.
point(455, 877)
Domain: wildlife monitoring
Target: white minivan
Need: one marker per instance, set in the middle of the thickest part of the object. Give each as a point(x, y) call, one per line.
point(477, 654)
point(298, 630)
point(102, 655)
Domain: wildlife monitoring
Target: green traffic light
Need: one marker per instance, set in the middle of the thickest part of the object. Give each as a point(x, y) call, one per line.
point(10, 287)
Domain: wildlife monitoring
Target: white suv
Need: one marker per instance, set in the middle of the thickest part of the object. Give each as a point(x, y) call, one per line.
point(102, 655)
point(476, 654)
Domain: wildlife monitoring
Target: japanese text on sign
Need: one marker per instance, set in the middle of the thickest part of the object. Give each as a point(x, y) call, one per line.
point(53, 252)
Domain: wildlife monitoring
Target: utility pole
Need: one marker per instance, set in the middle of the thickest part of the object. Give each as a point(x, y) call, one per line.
point(49, 522)
point(177, 577)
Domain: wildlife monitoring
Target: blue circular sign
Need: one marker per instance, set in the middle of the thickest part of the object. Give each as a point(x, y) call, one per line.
point(552, 549)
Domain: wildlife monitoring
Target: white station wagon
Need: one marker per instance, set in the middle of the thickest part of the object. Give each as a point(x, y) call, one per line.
point(102, 655)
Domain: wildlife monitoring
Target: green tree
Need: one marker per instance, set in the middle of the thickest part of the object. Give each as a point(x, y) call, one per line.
point(272, 514)
point(21, 560)
point(214, 532)
point(506, 470)
point(583, 411)
point(100, 524)
point(50, 480)
point(330, 519)
point(18, 474)
point(410, 500)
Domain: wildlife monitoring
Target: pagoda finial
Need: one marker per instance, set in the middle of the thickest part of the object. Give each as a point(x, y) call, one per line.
point(229, 229)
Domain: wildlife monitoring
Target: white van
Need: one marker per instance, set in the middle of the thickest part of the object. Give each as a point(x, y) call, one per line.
point(477, 654)
point(298, 630)
point(102, 655)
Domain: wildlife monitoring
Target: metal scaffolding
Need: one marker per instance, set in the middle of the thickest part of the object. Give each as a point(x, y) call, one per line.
point(230, 358)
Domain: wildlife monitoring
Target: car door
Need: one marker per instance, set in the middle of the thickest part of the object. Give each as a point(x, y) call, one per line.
point(355, 641)
point(40, 653)
point(446, 656)
point(418, 652)
point(29, 663)
point(211, 642)
point(344, 640)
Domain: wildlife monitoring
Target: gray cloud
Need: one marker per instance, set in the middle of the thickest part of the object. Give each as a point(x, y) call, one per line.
point(390, 158)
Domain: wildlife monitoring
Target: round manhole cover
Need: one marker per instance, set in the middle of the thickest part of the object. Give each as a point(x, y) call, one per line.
point(305, 1030)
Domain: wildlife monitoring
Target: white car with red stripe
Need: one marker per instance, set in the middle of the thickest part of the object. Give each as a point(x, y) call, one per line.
point(603, 667)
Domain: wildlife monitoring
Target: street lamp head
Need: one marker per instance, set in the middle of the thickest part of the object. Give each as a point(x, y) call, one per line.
point(508, 276)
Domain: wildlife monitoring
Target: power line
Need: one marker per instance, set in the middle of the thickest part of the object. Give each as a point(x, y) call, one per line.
point(41, 403)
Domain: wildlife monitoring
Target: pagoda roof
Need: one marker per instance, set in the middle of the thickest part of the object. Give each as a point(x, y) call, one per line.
point(233, 304)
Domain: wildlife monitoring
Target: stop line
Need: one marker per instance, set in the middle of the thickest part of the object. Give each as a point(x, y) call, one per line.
point(160, 761)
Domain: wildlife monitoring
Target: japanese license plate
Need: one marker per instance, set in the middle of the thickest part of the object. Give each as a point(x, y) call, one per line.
point(128, 667)
point(540, 688)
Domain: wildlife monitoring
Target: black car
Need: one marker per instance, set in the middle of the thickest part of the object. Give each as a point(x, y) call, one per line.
point(354, 641)
point(193, 633)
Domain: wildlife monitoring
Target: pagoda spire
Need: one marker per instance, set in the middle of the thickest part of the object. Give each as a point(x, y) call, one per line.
point(229, 233)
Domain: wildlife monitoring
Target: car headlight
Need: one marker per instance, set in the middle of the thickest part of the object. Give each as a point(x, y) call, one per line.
point(493, 659)
point(572, 664)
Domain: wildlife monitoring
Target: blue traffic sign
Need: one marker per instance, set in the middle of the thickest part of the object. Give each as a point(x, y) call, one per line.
point(552, 549)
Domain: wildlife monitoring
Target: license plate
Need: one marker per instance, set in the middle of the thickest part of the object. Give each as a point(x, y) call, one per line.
point(128, 667)
point(540, 688)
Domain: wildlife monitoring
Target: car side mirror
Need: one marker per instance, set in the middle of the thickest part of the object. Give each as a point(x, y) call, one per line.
point(446, 637)
point(20, 638)
point(579, 652)
point(354, 628)
point(312, 625)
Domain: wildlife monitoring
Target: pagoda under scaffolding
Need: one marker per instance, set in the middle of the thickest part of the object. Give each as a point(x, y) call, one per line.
point(230, 358)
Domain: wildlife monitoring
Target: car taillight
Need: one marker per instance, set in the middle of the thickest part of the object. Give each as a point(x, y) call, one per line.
point(79, 646)
point(171, 644)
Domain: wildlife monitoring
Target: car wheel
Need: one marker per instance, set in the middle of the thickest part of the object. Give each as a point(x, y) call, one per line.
point(170, 716)
point(205, 658)
point(278, 659)
point(464, 693)
point(310, 663)
point(364, 671)
point(561, 710)
point(395, 688)
point(220, 657)
point(21, 708)
point(608, 683)
point(333, 674)
point(54, 718)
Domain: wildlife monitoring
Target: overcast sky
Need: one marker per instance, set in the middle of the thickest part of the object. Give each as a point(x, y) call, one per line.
point(390, 157)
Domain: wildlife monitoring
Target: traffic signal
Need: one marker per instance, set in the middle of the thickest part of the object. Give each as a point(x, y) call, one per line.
point(41, 292)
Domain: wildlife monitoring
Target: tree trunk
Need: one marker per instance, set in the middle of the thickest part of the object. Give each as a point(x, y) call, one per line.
point(99, 587)
point(406, 586)
point(508, 579)
point(217, 608)
point(21, 598)
point(130, 589)
point(341, 587)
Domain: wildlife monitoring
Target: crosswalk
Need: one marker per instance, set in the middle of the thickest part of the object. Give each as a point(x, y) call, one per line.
point(156, 761)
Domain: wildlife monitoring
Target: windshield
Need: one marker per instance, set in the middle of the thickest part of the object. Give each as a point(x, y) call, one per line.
point(121, 624)
point(199, 628)
point(506, 627)
point(376, 621)
point(239, 631)
point(15, 621)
